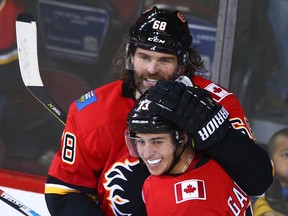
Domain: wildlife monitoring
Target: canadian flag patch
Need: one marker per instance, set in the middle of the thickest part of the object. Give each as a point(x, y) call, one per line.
point(190, 190)
point(218, 92)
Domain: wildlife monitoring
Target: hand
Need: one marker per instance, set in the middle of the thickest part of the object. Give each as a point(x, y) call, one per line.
point(192, 109)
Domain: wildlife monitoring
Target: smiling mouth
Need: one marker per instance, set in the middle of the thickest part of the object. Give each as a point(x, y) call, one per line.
point(151, 81)
point(154, 162)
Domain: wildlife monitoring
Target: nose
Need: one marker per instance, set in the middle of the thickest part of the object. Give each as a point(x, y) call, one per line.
point(145, 151)
point(153, 68)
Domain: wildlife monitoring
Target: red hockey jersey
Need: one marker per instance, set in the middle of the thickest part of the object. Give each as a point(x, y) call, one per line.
point(94, 159)
point(206, 190)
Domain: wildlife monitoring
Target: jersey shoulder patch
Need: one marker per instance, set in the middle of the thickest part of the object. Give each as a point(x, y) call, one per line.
point(217, 91)
point(86, 99)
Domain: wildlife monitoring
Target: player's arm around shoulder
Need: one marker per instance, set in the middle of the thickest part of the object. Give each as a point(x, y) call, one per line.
point(248, 164)
point(227, 99)
point(194, 110)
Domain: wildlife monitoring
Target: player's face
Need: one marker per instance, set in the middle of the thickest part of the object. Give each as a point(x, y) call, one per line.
point(280, 159)
point(152, 66)
point(157, 151)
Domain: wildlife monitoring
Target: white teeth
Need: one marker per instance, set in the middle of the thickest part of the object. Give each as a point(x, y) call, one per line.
point(151, 80)
point(154, 162)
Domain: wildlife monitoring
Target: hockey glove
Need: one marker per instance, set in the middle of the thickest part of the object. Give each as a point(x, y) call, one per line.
point(192, 109)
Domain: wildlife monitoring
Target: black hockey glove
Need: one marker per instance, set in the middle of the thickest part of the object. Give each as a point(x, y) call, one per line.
point(192, 109)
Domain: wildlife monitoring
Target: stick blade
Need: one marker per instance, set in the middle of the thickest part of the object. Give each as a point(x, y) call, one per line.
point(26, 35)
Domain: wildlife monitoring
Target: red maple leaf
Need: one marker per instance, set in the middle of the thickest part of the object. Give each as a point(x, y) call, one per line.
point(216, 90)
point(189, 189)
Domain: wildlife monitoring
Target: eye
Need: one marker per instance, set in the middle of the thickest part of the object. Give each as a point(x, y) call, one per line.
point(166, 60)
point(157, 142)
point(285, 155)
point(143, 57)
point(140, 142)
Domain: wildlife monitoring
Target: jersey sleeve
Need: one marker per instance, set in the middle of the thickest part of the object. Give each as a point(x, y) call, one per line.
point(71, 163)
point(231, 103)
point(237, 153)
point(71, 204)
point(246, 162)
point(92, 137)
point(70, 188)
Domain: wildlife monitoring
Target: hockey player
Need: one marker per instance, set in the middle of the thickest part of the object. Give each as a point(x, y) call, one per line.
point(186, 179)
point(93, 173)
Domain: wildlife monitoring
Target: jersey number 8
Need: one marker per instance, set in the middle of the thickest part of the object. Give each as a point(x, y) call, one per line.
point(69, 148)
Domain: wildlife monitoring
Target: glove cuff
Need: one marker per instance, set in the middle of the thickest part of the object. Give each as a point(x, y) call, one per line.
point(213, 130)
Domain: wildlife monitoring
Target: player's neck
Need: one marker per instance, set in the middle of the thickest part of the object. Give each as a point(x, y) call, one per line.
point(184, 162)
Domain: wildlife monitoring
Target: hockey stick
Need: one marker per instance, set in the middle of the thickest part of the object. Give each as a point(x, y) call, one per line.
point(16, 204)
point(26, 33)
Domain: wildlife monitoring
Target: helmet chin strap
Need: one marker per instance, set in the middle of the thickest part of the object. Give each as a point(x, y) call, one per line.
point(180, 70)
point(177, 157)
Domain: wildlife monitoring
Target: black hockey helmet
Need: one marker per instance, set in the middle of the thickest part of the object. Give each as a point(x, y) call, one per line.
point(161, 30)
point(142, 120)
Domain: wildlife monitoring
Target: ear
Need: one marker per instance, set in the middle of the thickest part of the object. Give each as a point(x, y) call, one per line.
point(184, 139)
